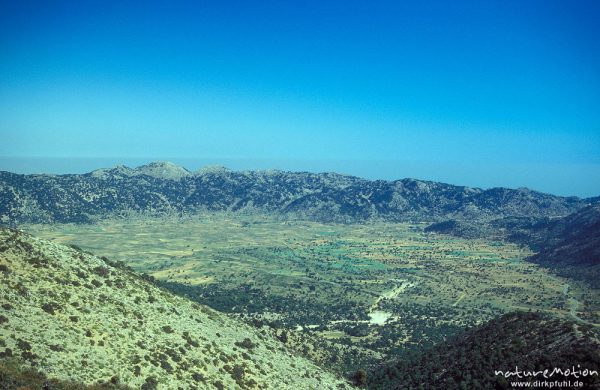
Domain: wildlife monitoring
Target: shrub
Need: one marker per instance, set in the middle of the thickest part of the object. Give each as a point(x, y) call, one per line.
point(218, 385)
point(102, 271)
point(56, 348)
point(246, 343)
point(50, 307)
point(165, 365)
point(238, 373)
point(150, 384)
point(7, 353)
point(27, 355)
point(360, 378)
point(22, 290)
point(96, 283)
point(283, 337)
point(4, 269)
point(173, 354)
point(224, 358)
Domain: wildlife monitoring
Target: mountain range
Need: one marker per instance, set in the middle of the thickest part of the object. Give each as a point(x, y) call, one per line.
point(163, 187)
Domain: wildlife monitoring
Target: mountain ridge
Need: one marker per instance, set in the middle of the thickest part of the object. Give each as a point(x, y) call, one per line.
point(163, 187)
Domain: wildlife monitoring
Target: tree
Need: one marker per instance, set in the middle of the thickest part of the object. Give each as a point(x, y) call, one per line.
point(360, 378)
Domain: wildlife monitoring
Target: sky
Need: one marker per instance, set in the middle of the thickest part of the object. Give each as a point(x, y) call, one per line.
point(485, 94)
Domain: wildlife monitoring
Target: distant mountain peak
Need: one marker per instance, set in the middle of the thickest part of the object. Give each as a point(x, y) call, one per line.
point(212, 169)
point(159, 169)
point(163, 170)
point(119, 170)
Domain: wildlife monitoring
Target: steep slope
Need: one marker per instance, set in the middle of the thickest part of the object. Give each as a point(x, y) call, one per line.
point(581, 227)
point(75, 317)
point(528, 341)
point(165, 188)
point(570, 245)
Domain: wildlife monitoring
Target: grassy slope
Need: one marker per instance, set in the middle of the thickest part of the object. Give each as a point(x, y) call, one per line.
point(74, 317)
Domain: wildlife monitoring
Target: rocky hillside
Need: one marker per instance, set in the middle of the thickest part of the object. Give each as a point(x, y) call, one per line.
point(166, 188)
point(528, 341)
point(77, 318)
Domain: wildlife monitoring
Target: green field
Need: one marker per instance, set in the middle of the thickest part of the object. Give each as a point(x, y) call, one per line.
point(385, 287)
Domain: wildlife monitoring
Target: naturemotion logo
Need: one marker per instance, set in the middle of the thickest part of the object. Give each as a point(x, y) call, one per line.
point(548, 373)
point(559, 377)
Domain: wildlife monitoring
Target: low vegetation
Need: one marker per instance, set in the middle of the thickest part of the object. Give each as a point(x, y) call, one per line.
point(62, 327)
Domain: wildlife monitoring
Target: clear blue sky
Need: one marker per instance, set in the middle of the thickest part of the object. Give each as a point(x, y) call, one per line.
point(481, 93)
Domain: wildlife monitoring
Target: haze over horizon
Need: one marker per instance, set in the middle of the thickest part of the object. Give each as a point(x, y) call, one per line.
point(469, 93)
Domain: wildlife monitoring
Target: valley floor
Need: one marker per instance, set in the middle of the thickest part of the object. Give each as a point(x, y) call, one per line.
point(384, 288)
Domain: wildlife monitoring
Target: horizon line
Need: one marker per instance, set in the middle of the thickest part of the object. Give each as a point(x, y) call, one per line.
point(315, 172)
